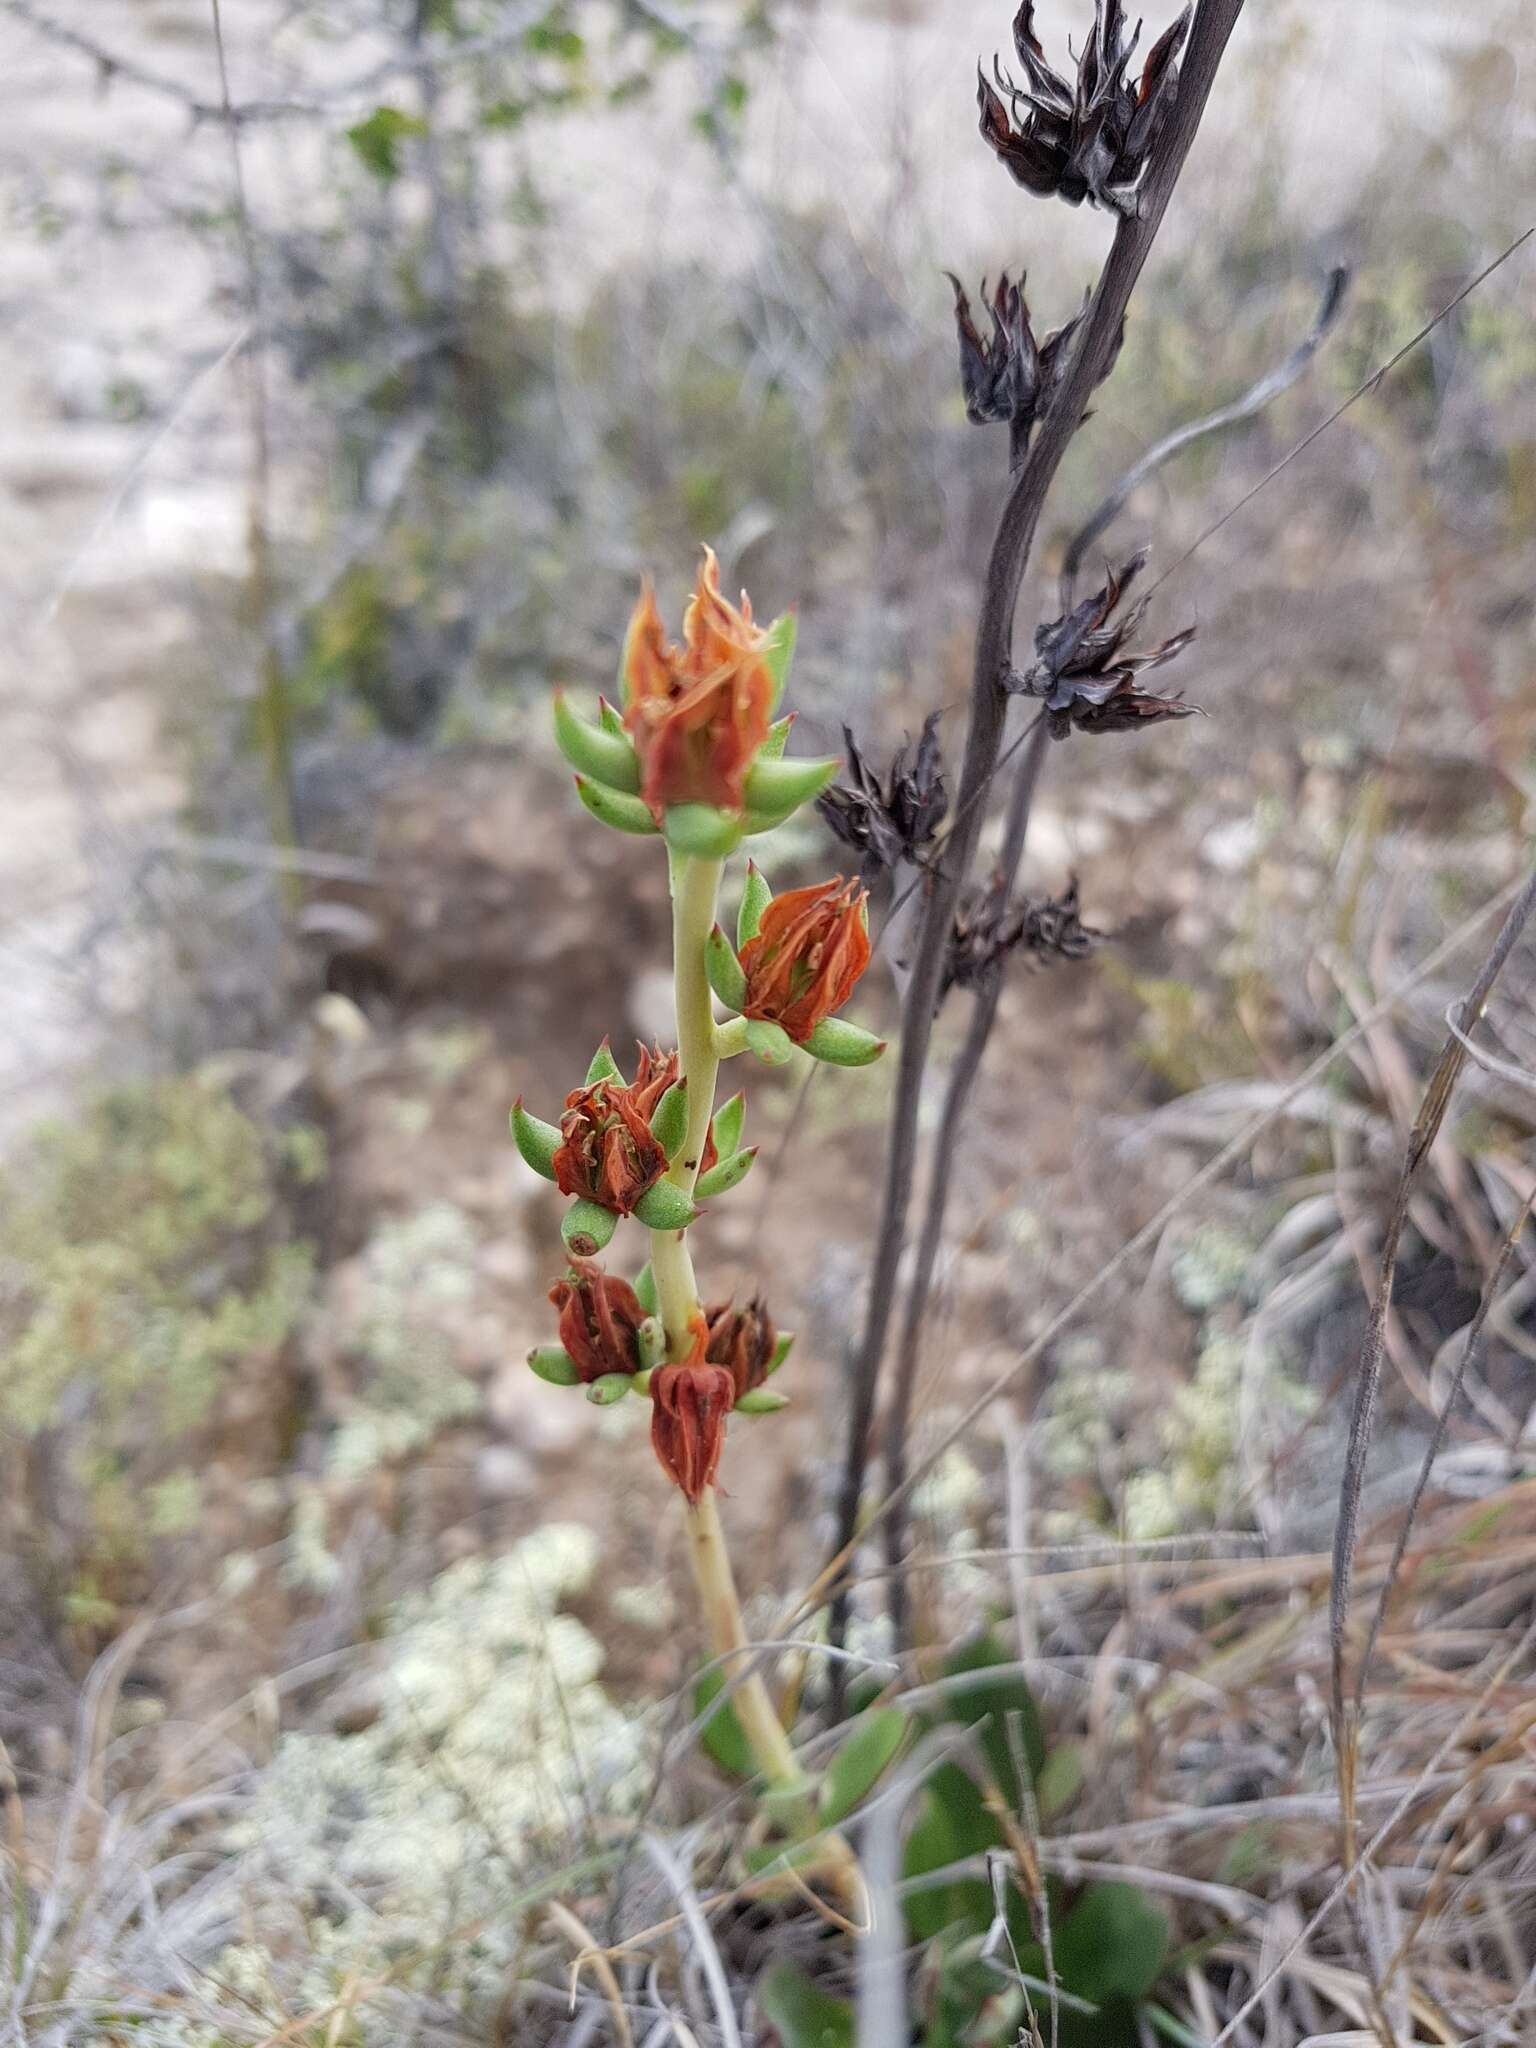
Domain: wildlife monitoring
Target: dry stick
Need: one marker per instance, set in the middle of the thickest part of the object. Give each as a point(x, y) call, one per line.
point(1437, 1096)
point(821, 1588)
point(1213, 25)
point(962, 1079)
point(984, 1011)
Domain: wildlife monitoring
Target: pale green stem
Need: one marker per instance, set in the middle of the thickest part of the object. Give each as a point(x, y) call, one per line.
point(695, 885)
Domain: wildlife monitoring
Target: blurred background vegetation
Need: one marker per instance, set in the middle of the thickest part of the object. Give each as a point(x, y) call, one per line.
point(327, 454)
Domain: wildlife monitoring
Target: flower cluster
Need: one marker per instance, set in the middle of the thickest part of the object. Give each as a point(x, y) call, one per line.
point(694, 755)
point(1089, 139)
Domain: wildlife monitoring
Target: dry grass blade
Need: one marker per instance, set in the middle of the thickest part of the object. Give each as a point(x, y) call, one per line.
point(588, 1951)
point(704, 1942)
point(1432, 1110)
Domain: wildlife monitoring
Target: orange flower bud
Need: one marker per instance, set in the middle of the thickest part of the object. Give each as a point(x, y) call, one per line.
point(607, 1151)
point(810, 950)
point(599, 1321)
point(689, 1404)
point(742, 1340)
point(697, 713)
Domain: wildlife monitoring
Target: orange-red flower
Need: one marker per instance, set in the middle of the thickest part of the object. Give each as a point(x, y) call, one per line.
point(810, 949)
point(654, 1074)
point(607, 1150)
point(689, 1404)
point(600, 1318)
point(697, 713)
point(742, 1340)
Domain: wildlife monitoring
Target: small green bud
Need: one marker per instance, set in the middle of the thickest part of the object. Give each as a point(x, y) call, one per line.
point(702, 829)
point(606, 756)
point(669, 1119)
point(604, 1066)
point(842, 1044)
point(761, 1402)
point(651, 1341)
point(612, 1386)
point(781, 1351)
point(611, 807)
point(729, 1173)
point(755, 899)
point(779, 651)
point(785, 785)
point(724, 970)
point(554, 1363)
point(771, 1043)
point(725, 1126)
point(537, 1141)
point(645, 1290)
point(665, 1207)
point(587, 1227)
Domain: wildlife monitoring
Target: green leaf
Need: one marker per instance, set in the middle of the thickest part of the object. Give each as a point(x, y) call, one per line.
point(587, 1227)
point(724, 970)
point(782, 786)
point(536, 1140)
point(725, 1127)
point(608, 1388)
point(842, 1044)
point(1113, 1944)
point(651, 1345)
point(800, 2012)
point(759, 1401)
point(554, 1363)
point(722, 1734)
point(773, 746)
point(728, 1174)
point(857, 1766)
point(771, 1043)
point(612, 807)
point(781, 1351)
point(702, 829)
point(607, 757)
point(1060, 1779)
point(952, 1823)
point(755, 899)
point(669, 1119)
point(377, 140)
point(779, 651)
point(645, 1290)
point(1007, 1707)
point(604, 1067)
point(665, 1207)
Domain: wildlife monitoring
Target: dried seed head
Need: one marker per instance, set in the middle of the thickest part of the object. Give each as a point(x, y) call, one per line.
point(890, 821)
point(1083, 673)
point(1089, 139)
point(988, 928)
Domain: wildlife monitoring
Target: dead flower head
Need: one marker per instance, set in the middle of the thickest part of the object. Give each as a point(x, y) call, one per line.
point(697, 713)
point(689, 1404)
point(988, 927)
point(742, 1340)
point(1081, 671)
point(600, 1319)
point(810, 949)
point(1007, 374)
point(608, 1152)
point(1089, 139)
point(893, 821)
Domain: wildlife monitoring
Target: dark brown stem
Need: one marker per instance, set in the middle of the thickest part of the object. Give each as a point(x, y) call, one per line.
point(1213, 25)
point(962, 1079)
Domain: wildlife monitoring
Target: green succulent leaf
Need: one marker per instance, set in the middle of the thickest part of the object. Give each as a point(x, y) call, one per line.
point(781, 1351)
point(755, 899)
point(842, 1044)
point(725, 1125)
point(952, 1824)
point(759, 1401)
point(665, 1207)
point(587, 1227)
point(608, 1388)
point(651, 1341)
point(724, 970)
point(536, 1140)
point(857, 1766)
point(779, 651)
point(610, 718)
point(722, 1734)
point(729, 1173)
point(607, 757)
point(777, 740)
point(702, 829)
point(755, 823)
point(1113, 1943)
point(770, 1043)
point(604, 1066)
point(645, 1290)
point(669, 1119)
point(785, 785)
point(554, 1363)
point(800, 2012)
point(612, 807)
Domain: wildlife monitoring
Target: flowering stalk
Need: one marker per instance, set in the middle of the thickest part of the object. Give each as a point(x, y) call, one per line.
point(696, 760)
